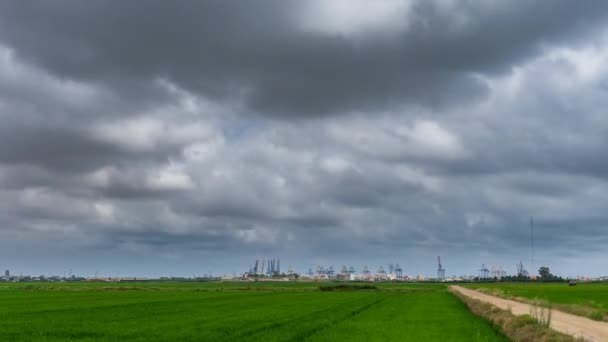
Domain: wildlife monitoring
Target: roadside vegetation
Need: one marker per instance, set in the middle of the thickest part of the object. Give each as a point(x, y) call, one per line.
point(586, 299)
point(525, 328)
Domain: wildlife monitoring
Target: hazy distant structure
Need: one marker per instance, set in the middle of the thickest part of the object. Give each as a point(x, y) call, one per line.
point(366, 271)
point(497, 273)
point(267, 268)
point(521, 271)
point(351, 270)
point(381, 270)
point(501, 272)
point(330, 271)
point(484, 272)
point(270, 268)
point(310, 272)
point(273, 267)
point(7, 273)
point(440, 269)
point(344, 269)
point(391, 268)
point(289, 270)
point(398, 271)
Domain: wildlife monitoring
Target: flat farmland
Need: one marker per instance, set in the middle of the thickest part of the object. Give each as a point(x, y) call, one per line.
point(585, 299)
point(235, 312)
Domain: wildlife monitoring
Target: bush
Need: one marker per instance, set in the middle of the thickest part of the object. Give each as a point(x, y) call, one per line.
point(347, 287)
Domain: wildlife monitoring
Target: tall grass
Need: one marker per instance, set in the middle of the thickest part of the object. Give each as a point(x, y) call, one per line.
point(541, 311)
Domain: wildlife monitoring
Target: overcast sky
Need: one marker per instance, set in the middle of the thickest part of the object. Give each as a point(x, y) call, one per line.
point(181, 138)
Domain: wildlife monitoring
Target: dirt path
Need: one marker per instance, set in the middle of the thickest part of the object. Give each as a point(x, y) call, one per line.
point(566, 323)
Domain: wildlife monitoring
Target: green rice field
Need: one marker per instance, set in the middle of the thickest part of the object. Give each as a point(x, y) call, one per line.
point(235, 312)
point(585, 299)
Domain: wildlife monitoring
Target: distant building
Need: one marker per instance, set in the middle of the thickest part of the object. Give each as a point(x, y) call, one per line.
point(7, 274)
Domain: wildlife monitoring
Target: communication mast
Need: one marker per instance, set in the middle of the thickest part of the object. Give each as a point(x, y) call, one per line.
point(532, 239)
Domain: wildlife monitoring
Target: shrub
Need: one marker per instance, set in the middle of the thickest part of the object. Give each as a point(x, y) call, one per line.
point(347, 287)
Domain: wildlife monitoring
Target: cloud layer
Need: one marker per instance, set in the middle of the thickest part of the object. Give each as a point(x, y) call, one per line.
point(197, 136)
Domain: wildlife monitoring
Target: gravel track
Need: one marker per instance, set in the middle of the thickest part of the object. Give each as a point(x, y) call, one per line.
point(577, 326)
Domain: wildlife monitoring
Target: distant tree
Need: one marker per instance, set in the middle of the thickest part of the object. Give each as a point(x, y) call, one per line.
point(545, 273)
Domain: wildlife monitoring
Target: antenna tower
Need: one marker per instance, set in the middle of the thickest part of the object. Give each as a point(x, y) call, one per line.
point(532, 239)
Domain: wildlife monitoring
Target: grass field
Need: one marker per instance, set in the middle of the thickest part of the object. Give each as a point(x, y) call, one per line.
point(210, 286)
point(585, 299)
point(235, 312)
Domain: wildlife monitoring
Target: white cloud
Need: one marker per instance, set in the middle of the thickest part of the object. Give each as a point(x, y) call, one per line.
point(422, 139)
point(432, 140)
point(171, 177)
point(146, 134)
point(347, 17)
point(335, 164)
point(105, 211)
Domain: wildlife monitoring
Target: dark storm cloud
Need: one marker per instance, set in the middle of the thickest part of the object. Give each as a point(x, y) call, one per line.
point(59, 148)
point(67, 147)
point(168, 241)
point(258, 52)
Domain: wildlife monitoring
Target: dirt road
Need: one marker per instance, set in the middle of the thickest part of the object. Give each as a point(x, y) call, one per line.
point(566, 323)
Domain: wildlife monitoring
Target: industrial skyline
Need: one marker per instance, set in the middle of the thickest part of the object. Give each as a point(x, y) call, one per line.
point(270, 268)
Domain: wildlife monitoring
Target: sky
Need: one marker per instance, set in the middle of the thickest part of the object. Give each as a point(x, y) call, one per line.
point(183, 138)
